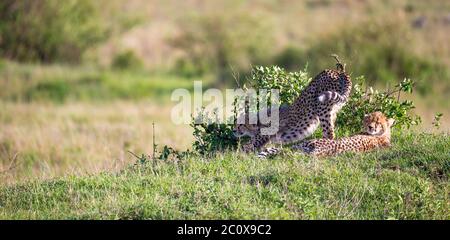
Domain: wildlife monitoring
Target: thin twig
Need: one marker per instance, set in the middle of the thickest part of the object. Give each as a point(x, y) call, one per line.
point(235, 76)
point(388, 87)
point(153, 141)
point(392, 92)
point(132, 153)
point(12, 165)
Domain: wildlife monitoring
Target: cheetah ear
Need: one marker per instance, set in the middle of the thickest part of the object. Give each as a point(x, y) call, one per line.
point(391, 122)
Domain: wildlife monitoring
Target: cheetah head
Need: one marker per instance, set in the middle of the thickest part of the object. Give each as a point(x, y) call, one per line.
point(244, 129)
point(377, 123)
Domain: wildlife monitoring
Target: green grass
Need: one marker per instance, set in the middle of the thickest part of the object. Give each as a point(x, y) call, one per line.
point(408, 181)
point(61, 83)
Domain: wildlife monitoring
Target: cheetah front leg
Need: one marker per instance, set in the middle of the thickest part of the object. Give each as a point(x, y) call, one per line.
point(256, 143)
point(248, 147)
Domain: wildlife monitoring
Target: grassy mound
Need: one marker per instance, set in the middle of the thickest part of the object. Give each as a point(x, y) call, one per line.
point(408, 181)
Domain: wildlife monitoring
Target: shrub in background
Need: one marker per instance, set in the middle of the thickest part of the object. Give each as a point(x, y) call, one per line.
point(219, 42)
point(127, 60)
point(188, 69)
point(379, 51)
point(290, 58)
point(49, 30)
point(58, 31)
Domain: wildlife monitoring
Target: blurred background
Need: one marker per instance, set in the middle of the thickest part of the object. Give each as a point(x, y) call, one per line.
point(82, 81)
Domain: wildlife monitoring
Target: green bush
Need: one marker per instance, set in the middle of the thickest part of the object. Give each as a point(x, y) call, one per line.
point(290, 84)
point(349, 119)
point(127, 60)
point(49, 30)
point(210, 138)
point(214, 137)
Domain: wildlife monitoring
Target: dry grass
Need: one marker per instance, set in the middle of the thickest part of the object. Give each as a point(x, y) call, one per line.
point(77, 138)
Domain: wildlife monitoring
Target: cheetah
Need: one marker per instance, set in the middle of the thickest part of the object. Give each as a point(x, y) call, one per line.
point(318, 104)
point(377, 134)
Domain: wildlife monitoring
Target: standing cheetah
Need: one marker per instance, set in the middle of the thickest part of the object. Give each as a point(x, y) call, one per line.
point(377, 134)
point(317, 104)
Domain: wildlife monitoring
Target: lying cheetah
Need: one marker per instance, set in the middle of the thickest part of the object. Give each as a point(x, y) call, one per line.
point(377, 134)
point(318, 103)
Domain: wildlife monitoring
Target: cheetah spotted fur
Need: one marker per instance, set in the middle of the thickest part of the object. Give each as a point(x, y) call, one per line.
point(376, 134)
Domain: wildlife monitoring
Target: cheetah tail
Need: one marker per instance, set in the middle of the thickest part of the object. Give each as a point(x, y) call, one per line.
point(340, 67)
point(329, 96)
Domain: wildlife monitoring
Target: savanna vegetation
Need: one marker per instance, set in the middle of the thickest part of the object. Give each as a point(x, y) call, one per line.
point(81, 83)
point(409, 181)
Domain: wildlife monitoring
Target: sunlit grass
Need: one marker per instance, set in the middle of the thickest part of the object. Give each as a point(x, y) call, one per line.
point(408, 181)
